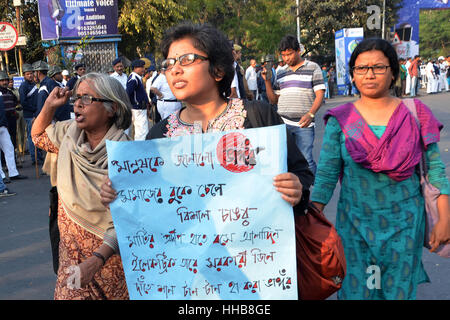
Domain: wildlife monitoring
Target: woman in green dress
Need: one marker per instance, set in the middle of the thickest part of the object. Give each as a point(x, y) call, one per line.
point(373, 146)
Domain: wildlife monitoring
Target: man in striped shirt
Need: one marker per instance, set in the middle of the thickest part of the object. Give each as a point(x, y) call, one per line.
point(301, 92)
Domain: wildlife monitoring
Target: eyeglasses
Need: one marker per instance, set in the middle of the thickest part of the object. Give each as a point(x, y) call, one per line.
point(86, 99)
point(184, 60)
point(378, 69)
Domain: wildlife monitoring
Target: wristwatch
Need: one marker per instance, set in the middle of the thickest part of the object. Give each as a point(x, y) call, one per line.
point(311, 115)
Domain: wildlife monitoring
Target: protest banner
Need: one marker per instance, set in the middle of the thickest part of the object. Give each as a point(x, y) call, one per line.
point(198, 217)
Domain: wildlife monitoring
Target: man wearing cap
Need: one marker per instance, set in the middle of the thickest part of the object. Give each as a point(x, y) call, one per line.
point(237, 85)
point(62, 113)
point(10, 102)
point(443, 73)
point(46, 85)
point(118, 74)
point(80, 70)
point(66, 77)
point(7, 147)
point(139, 99)
point(28, 91)
point(266, 63)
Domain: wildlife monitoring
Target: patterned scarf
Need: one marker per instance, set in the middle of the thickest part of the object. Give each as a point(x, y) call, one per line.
point(399, 150)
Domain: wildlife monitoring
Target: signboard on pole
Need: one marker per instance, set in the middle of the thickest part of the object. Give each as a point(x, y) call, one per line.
point(8, 36)
point(346, 41)
point(77, 18)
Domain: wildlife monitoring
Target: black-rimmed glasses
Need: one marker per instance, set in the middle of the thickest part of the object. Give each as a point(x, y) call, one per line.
point(378, 69)
point(184, 60)
point(87, 99)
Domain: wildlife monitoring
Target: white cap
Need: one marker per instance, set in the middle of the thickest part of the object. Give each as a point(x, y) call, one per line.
point(65, 73)
point(441, 58)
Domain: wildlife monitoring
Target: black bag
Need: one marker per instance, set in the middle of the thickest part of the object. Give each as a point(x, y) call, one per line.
point(53, 227)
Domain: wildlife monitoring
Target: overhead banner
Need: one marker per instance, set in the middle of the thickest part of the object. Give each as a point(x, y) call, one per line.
point(407, 27)
point(77, 18)
point(198, 217)
point(346, 41)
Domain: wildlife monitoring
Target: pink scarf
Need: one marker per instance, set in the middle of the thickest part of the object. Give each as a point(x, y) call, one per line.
point(399, 150)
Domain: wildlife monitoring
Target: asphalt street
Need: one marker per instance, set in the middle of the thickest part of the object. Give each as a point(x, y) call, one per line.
point(26, 271)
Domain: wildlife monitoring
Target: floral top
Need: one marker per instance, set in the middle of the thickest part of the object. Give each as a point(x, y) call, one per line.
point(232, 118)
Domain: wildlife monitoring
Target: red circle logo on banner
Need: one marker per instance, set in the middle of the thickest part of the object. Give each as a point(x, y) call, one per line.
point(8, 36)
point(235, 153)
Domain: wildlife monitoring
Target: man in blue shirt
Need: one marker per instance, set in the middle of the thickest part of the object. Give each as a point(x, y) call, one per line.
point(80, 70)
point(28, 91)
point(139, 99)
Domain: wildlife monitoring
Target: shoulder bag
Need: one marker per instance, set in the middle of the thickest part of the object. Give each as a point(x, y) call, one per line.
point(430, 194)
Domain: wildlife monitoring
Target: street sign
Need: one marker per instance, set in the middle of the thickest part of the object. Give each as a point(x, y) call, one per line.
point(8, 36)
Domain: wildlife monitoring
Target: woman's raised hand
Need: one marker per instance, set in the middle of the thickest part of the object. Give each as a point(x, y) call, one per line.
point(58, 97)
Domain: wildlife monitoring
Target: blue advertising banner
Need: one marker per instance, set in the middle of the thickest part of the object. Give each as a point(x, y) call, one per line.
point(77, 18)
point(346, 41)
point(198, 217)
point(407, 27)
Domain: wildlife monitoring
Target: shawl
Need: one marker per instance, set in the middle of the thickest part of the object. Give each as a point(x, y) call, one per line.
point(399, 149)
point(80, 172)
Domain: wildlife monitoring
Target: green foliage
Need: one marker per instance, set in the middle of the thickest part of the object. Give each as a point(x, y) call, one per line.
point(434, 37)
point(143, 22)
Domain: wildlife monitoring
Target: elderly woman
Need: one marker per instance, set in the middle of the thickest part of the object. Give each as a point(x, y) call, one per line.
point(88, 268)
point(373, 147)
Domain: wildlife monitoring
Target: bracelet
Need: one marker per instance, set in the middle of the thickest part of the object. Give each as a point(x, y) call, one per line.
point(100, 256)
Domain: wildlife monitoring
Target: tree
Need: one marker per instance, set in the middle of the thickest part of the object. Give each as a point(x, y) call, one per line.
point(434, 38)
point(143, 22)
point(321, 19)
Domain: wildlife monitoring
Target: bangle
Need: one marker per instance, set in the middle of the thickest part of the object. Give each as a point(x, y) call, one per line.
point(100, 256)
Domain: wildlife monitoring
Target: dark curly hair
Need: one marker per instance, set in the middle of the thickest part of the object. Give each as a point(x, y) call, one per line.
point(381, 45)
point(213, 43)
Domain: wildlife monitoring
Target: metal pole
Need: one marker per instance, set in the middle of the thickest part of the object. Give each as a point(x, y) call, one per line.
point(298, 21)
point(19, 31)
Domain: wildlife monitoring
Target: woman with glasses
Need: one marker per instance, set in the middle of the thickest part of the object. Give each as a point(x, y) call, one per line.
point(373, 146)
point(199, 69)
point(88, 265)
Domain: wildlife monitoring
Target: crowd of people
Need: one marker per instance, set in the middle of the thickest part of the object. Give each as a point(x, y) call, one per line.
point(201, 86)
point(415, 73)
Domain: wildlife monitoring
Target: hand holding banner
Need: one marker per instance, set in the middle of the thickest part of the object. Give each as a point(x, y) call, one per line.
point(197, 217)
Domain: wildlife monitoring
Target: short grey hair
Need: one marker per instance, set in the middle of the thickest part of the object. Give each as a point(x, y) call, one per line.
point(110, 88)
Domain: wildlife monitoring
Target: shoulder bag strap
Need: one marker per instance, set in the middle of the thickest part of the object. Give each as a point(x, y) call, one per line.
point(411, 105)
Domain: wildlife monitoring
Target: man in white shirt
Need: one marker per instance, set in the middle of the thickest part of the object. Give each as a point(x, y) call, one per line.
point(66, 78)
point(237, 85)
point(251, 77)
point(431, 77)
point(118, 72)
point(408, 77)
point(167, 102)
point(443, 73)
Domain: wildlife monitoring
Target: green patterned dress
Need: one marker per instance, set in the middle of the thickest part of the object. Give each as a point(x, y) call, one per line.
point(381, 221)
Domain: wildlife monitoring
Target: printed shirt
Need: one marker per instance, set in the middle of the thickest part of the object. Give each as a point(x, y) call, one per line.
point(297, 90)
